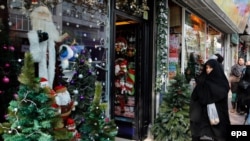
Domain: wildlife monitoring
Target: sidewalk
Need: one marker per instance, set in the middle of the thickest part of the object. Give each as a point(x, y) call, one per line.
point(235, 118)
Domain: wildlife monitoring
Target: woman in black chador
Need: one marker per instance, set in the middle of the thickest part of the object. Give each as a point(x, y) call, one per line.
point(212, 87)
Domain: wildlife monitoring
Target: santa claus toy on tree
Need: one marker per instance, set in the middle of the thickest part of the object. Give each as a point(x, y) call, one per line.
point(64, 103)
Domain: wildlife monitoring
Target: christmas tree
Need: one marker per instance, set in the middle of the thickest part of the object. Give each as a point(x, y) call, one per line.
point(172, 121)
point(9, 64)
point(82, 84)
point(31, 116)
point(96, 126)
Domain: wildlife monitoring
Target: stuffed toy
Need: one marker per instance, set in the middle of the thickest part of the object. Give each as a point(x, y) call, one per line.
point(45, 85)
point(71, 126)
point(121, 67)
point(130, 81)
point(65, 53)
point(64, 103)
point(42, 39)
point(120, 45)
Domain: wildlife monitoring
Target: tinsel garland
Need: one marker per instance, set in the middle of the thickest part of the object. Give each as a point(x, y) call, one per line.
point(162, 45)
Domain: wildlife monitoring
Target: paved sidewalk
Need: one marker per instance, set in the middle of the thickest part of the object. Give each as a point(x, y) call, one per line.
point(235, 118)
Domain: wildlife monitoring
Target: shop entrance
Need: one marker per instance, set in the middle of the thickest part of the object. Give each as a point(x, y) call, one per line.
point(131, 68)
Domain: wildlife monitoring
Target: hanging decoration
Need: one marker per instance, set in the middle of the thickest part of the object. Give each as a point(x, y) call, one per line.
point(133, 7)
point(162, 45)
point(29, 5)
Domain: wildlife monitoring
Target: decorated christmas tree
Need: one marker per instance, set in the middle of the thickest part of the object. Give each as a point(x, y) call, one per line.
point(31, 116)
point(172, 121)
point(9, 65)
point(96, 126)
point(82, 84)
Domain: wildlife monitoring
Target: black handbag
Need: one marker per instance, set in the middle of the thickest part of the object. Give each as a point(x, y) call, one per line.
point(243, 84)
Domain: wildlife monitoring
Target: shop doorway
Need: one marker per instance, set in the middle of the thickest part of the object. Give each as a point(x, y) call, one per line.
point(130, 79)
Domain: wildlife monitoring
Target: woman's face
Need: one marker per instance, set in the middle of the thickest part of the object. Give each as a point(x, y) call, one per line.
point(208, 69)
point(241, 61)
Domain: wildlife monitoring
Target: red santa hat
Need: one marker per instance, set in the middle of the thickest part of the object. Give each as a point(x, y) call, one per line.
point(60, 88)
point(43, 82)
point(34, 2)
point(71, 124)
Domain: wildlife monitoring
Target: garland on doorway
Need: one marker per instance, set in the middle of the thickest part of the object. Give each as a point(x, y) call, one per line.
point(162, 45)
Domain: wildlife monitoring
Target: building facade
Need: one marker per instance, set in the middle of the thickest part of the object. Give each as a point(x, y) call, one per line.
point(123, 41)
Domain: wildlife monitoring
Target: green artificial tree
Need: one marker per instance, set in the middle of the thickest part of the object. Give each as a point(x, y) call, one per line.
point(31, 116)
point(96, 126)
point(172, 122)
point(82, 85)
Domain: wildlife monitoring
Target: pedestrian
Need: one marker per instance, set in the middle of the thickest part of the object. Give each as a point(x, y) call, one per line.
point(243, 93)
point(217, 57)
point(212, 87)
point(234, 78)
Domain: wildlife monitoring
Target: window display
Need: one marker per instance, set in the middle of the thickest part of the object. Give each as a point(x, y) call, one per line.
point(125, 72)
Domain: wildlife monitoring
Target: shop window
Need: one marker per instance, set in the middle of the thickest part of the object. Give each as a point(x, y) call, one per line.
point(86, 25)
point(195, 45)
point(213, 42)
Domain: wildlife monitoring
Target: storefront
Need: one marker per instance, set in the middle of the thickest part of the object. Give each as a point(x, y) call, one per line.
point(198, 30)
point(130, 71)
point(114, 38)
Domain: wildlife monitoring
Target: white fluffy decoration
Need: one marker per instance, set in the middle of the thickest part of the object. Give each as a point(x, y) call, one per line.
point(41, 19)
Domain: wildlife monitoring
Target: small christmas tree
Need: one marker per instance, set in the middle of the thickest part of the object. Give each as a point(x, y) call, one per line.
point(31, 116)
point(82, 85)
point(172, 121)
point(9, 65)
point(96, 126)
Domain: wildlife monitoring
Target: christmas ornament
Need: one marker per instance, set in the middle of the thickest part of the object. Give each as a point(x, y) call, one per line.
point(5, 47)
point(65, 53)
point(7, 65)
point(80, 76)
point(34, 2)
point(43, 82)
point(11, 48)
point(5, 79)
point(64, 104)
point(130, 80)
point(75, 91)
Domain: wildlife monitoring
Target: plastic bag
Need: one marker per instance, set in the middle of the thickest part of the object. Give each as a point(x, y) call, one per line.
point(213, 114)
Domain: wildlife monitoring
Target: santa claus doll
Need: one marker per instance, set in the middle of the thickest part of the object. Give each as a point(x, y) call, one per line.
point(71, 126)
point(42, 40)
point(64, 103)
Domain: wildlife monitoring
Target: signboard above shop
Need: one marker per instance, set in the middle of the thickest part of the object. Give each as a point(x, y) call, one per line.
point(238, 11)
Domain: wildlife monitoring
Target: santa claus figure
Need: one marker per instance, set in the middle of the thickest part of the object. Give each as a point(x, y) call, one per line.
point(44, 84)
point(42, 40)
point(71, 126)
point(64, 104)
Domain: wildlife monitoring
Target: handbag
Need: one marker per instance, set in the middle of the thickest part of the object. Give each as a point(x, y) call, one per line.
point(243, 84)
point(213, 114)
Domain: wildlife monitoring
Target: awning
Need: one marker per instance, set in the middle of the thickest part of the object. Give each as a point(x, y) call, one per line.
point(210, 11)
